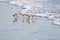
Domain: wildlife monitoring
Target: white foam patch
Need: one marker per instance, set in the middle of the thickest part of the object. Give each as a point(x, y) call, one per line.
point(56, 22)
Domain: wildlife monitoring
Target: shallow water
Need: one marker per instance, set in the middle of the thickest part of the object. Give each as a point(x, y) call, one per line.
point(42, 30)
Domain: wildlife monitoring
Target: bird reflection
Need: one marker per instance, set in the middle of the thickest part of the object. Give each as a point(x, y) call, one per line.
point(15, 20)
point(30, 21)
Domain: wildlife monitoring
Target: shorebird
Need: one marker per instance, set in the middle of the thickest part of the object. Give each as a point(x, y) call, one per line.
point(26, 17)
point(16, 15)
point(29, 19)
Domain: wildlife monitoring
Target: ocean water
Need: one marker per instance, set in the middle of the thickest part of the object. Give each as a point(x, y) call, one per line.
point(43, 29)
